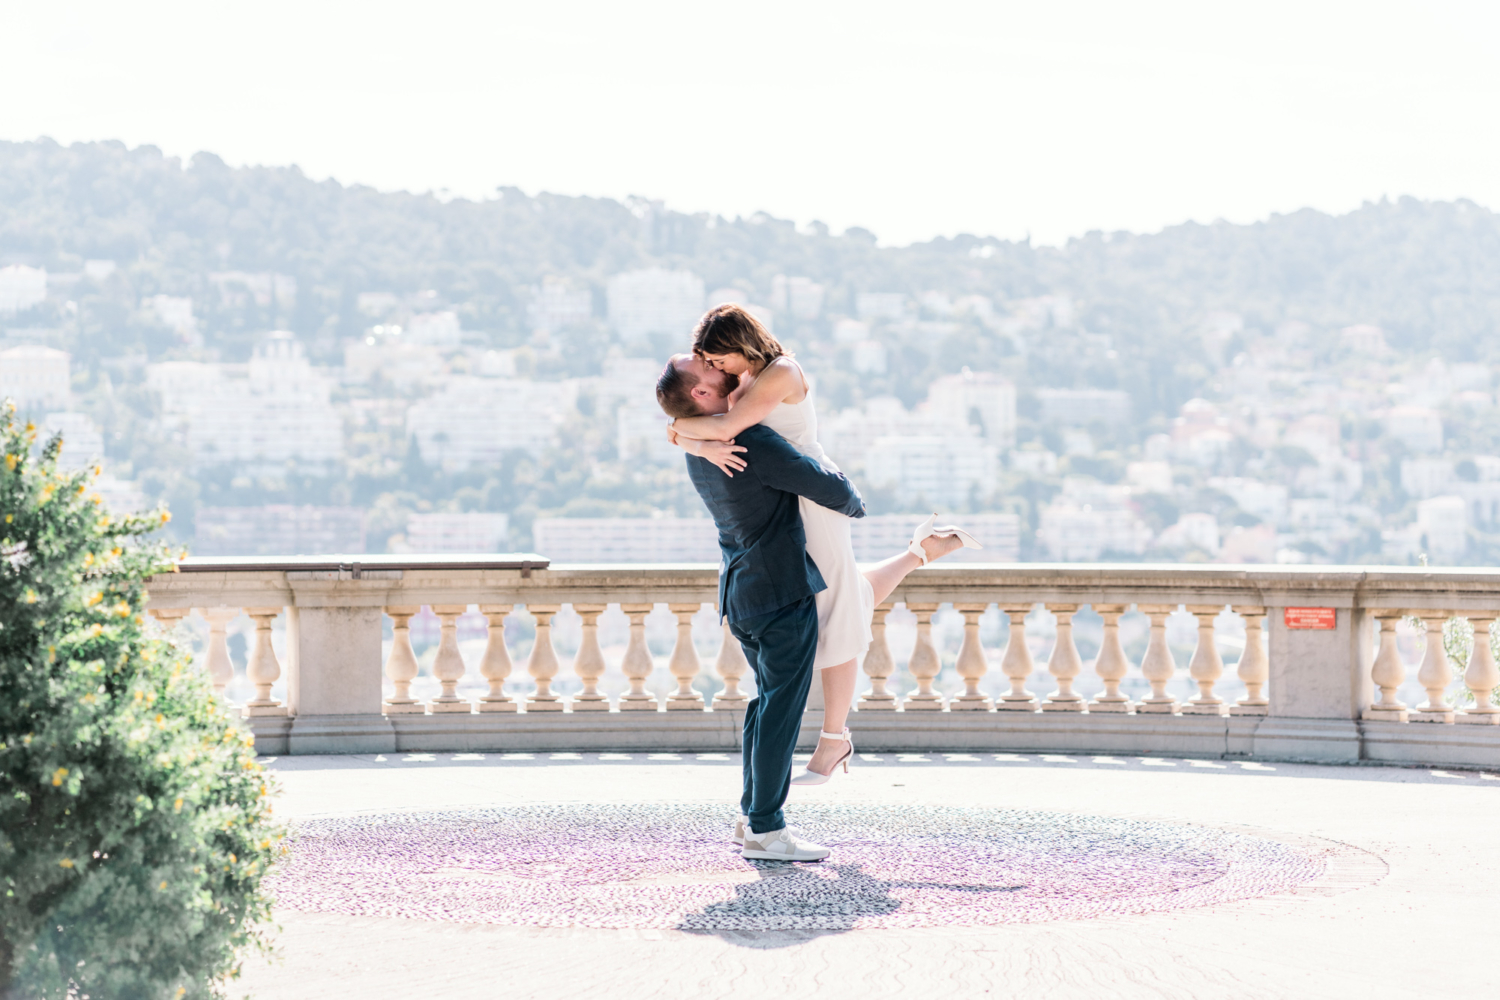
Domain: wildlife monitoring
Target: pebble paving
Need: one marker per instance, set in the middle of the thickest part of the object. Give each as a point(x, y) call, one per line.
point(666, 866)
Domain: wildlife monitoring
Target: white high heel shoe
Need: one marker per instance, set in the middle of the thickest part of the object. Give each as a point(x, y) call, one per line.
point(810, 777)
point(926, 530)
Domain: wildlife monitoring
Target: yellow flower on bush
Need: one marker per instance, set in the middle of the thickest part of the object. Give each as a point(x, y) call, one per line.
point(94, 598)
point(10, 463)
point(30, 597)
point(65, 863)
point(177, 806)
point(58, 776)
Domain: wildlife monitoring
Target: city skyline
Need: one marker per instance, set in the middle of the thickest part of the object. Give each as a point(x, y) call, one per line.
point(987, 119)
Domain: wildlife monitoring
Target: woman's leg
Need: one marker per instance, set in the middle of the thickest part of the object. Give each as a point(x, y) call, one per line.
point(838, 681)
point(838, 697)
point(885, 577)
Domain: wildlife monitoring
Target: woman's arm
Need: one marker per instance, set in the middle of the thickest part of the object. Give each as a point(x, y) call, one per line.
point(721, 453)
point(781, 382)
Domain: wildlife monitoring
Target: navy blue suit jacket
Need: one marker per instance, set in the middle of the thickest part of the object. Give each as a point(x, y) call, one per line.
point(766, 565)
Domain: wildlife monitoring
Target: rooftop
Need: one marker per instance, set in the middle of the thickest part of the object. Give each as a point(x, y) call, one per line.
point(610, 874)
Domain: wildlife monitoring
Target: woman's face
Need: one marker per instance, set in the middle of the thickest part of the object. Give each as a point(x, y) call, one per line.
point(729, 364)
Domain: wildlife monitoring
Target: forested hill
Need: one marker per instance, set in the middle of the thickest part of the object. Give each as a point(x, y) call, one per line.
point(1428, 273)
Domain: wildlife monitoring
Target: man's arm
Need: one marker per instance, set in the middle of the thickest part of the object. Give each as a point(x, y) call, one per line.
point(780, 466)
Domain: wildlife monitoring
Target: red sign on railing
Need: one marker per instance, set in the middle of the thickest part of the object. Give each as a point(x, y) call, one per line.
point(1321, 618)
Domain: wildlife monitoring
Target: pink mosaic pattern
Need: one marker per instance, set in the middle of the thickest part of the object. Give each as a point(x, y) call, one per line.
point(655, 866)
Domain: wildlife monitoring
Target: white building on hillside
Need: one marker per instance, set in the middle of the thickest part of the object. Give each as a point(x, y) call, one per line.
point(641, 433)
point(957, 400)
point(279, 411)
point(642, 303)
point(801, 297)
point(1089, 520)
point(278, 530)
point(1443, 523)
point(555, 305)
point(21, 287)
point(82, 443)
point(1081, 407)
point(850, 435)
point(454, 531)
point(478, 420)
point(1420, 428)
point(176, 312)
point(435, 329)
point(35, 377)
point(943, 471)
point(626, 539)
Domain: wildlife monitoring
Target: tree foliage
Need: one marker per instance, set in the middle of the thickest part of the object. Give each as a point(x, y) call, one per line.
point(134, 821)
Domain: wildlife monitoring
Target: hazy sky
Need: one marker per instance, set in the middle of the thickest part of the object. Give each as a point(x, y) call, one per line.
point(1049, 118)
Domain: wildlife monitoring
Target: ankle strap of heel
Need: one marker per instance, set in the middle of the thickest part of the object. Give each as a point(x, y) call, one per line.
point(835, 736)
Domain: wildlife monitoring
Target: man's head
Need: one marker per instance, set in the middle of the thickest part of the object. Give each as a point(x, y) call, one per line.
point(689, 387)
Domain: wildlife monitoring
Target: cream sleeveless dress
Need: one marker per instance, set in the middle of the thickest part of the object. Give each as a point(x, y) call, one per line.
point(847, 607)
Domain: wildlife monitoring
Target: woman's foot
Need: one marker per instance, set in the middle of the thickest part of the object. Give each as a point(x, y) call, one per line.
point(930, 541)
point(937, 546)
point(829, 754)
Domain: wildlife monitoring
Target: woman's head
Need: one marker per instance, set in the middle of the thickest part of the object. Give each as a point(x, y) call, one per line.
point(733, 341)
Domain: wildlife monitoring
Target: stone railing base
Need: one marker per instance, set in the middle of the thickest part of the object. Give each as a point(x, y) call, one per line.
point(1235, 737)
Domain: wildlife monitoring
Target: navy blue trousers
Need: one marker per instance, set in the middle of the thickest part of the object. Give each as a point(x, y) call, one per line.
point(780, 646)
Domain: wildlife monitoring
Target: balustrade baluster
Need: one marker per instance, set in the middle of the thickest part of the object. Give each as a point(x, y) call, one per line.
point(879, 666)
point(216, 661)
point(924, 663)
point(1016, 663)
point(685, 663)
point(448, 665)
point(1206, 666)
point(971, 664)
point(637, 665)
point(263, 668)
point(1387, 672)
point(1481, 677)
point(542, 663)
point(1111, 665)
point(495, 665)
point(401, 664)
point(1157, 666)
point(1254, 669)
point(1064, 664)
point(731, 666)
point(1435, 673)
point(589, 663)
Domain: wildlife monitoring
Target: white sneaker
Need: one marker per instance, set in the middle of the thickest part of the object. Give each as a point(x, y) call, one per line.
point(740, 826)
point(781, 845)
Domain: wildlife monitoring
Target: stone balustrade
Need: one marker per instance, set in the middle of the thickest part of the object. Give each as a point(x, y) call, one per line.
point(1320, 665)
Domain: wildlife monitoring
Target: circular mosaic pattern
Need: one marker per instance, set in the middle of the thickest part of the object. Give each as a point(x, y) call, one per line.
point(674, 867)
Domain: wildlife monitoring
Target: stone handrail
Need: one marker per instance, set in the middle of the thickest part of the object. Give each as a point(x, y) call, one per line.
point(1321, 665)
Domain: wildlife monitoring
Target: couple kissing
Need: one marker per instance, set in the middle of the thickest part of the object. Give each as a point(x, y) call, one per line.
point(789, 587)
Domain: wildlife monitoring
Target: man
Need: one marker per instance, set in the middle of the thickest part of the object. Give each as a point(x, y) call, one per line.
point(767, 583)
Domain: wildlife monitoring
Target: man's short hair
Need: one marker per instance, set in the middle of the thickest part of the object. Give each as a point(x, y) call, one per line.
point(674, 390)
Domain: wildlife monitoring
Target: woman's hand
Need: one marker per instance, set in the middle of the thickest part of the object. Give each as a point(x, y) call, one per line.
point(722, 454)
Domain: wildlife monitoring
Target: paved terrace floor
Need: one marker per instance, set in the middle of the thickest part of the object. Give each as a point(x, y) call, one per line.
point(508, 875)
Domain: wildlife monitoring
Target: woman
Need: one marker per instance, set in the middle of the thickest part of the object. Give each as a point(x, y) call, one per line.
point(774, 391)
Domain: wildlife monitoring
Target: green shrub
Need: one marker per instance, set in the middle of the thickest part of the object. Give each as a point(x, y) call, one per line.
point(134, 822)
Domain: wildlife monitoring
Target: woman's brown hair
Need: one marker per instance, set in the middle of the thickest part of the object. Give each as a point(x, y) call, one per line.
point(730, 329)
